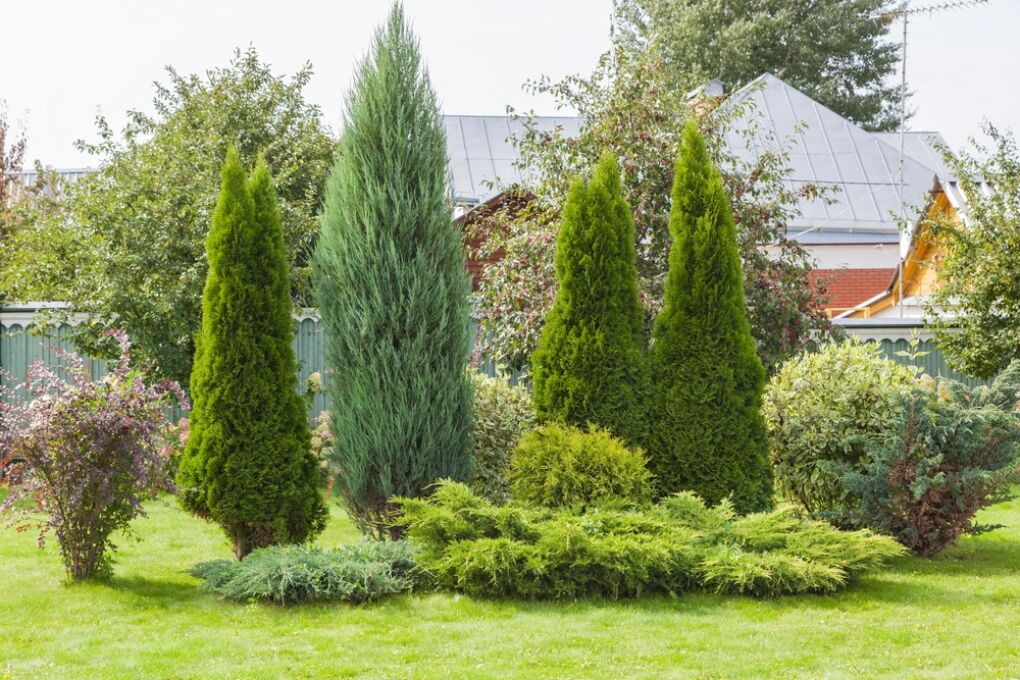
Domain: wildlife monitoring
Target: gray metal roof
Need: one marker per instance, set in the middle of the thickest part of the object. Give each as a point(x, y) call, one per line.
point(927, 147)
point(482, 154)
point(924, 146)
point(860, 168)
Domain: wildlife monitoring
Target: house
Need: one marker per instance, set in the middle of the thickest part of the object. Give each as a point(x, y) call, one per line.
point(906, 294)
point(853, 231)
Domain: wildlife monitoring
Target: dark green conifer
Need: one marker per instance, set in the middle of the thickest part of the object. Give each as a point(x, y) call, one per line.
point(590, 365)
point(392, 288)
point(247, 465)
point(708, 433)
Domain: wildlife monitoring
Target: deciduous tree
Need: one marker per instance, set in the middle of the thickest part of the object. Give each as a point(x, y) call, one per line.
point(135, 229)
point(835, 51)
point(979, 281)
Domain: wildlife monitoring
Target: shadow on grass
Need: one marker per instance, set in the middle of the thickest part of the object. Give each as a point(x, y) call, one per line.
point(153, 589)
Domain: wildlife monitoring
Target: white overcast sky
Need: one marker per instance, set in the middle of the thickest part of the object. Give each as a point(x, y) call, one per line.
point(67, 59)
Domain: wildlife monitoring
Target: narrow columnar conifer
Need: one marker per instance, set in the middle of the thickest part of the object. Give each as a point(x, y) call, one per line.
point(590, 365)
point(247, 465)
point(708, 434)
point(392, 289)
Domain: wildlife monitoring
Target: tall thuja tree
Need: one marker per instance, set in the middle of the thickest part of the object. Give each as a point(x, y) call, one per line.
point(248, 465)
point(392, 289)
point(708, 434)
point(590, 365)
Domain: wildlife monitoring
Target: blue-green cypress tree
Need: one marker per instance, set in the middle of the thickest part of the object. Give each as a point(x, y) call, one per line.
point(392, 288)
point(590, 364)
point(708, 433)
point(247, 465)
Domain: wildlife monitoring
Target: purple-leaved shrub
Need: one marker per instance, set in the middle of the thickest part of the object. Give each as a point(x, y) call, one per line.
point(81, 455)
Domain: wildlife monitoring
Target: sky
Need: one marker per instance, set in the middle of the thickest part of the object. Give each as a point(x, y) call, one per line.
point(66, 60)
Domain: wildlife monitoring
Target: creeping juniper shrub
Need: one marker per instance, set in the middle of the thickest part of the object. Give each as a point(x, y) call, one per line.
point(295, 574)
point(473, 546)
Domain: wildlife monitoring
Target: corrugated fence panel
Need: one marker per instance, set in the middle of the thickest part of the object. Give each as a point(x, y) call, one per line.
point(308, 351)
point(928, 356)
point(19, 348)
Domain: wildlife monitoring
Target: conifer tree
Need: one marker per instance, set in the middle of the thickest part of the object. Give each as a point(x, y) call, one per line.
point(590, 365)
point(392, 288)
point(708, 433)
point(247, 465)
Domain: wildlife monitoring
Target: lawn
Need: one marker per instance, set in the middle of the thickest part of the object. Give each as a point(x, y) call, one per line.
point(955, 616)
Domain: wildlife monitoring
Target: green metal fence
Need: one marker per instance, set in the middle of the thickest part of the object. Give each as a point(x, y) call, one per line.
point(928, 357)
point(20, 347)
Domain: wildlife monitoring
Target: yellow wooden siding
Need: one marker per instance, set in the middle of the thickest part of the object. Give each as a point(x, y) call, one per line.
point(920, 271)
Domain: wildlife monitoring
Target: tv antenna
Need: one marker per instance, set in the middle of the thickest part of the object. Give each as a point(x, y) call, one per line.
point(904, 13)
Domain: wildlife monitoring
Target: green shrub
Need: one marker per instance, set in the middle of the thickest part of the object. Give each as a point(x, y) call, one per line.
point(392, 289)
point(925, 477)
point(246, 465)
point(590, 365)
point(707, 433)
point(470, 545)
point(295, 574)
point(562, 466)
point(502, 413)
point(814, 407)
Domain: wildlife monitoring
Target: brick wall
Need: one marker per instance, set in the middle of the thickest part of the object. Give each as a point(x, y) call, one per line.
point(850, 287)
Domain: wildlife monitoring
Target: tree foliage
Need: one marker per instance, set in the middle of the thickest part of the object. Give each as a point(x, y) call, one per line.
point(392, 287)
point(835, 51)
point(707, 434)
point(590, 365)
point(979, 280)
point(127, 246)
point(247, 464)
point(627, 108)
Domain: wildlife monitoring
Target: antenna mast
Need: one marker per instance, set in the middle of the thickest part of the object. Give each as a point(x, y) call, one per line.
point(904, 13)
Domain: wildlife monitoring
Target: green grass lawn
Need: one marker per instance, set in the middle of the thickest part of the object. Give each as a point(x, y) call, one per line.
point(956, 616)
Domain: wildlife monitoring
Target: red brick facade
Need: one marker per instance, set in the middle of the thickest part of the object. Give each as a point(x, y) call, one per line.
point(850, 287)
